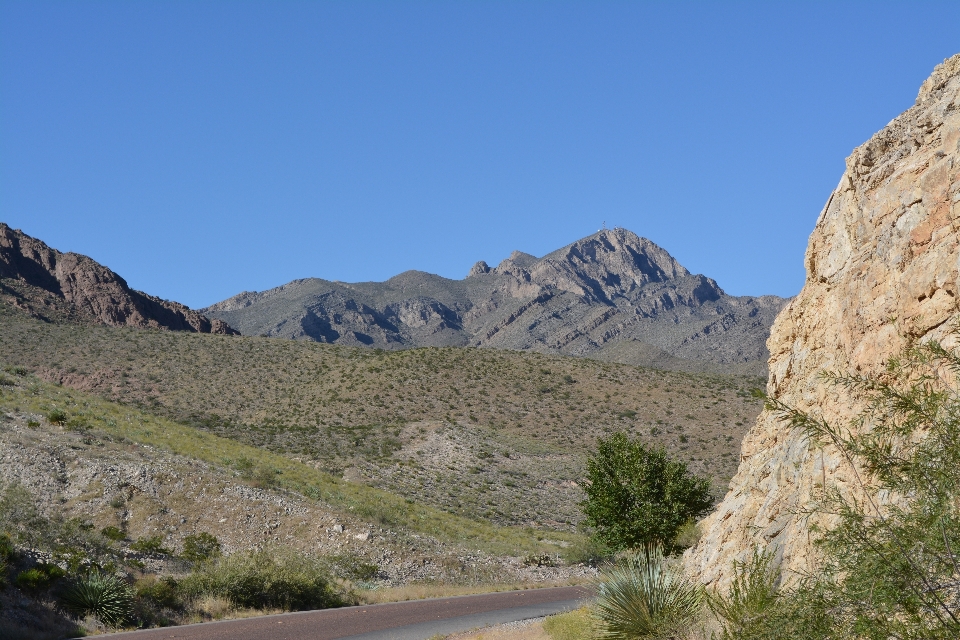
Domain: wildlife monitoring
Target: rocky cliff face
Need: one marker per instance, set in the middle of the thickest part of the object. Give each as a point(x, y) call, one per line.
point(882, 264)
point(612, 295)
point(52, 285)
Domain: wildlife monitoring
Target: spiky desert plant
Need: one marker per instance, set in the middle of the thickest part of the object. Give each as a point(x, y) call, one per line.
point(642, 597)
point(100, 594)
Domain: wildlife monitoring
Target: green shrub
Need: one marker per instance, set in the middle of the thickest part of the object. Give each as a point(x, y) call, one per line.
point(99, 594)
point(201, 546)
point(642, 597)
point(152, 545)
point(573, 625)
point(162, 593)
point(39, 577)
point(586, 551)
point(270, 579)
point(5, 381)
point(353, 567)
point(7, 550)
point(57, 416)
point(113, 533)
point(638, 497)
point(540, 560)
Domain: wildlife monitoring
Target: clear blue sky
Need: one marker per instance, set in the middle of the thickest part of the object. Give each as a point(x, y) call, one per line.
point(204, 148)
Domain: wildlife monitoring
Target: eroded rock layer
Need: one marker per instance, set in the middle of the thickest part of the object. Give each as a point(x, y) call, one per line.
point(882, 264)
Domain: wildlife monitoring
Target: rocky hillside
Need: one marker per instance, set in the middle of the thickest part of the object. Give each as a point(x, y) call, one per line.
point(613, 296)
point(55, 286)
point(882, 264)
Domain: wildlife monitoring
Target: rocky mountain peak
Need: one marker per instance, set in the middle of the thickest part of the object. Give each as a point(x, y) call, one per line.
point(622, 252)
point(479, 269)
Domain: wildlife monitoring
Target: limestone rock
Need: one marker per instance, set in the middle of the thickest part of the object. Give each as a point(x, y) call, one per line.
point(882, 263)
point(68, 286)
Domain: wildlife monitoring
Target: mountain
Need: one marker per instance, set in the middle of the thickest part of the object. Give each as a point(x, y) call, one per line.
point(612, 296)
point(69, 287)
point(883, 266)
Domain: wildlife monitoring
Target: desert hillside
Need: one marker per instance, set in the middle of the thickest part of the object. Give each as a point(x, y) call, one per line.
point(489, 434)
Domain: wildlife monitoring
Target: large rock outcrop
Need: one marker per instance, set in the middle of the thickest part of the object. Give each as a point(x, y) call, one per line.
point(882, 264)
point(612, 295)
point(51, 285)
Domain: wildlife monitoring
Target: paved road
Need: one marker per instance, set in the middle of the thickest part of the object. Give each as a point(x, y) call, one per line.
point(414, 620)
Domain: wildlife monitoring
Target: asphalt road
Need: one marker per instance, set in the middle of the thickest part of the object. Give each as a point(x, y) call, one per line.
point(413, 620)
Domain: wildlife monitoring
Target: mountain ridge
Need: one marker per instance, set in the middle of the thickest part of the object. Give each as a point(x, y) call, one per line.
point(594, 297)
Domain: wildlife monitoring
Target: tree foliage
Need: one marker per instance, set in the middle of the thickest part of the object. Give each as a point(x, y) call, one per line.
point(637, 496)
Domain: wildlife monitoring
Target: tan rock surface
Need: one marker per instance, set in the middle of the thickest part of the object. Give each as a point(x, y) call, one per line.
point(882, 263)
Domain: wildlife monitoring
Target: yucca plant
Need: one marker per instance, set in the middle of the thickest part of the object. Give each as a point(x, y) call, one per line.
point(642, 597)
point(102, 595)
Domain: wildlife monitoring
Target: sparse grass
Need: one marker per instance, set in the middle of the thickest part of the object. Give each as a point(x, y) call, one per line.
point(573, 625)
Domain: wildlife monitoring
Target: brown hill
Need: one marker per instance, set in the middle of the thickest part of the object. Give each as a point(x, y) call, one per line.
point(55, 286)
point(613, 296)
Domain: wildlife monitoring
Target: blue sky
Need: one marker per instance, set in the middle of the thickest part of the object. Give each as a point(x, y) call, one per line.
point(204, 148)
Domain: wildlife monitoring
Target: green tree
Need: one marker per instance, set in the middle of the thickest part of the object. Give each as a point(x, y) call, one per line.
point(637, 496)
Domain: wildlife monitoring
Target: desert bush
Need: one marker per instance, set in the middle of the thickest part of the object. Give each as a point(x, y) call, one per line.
point(641, 596)
point(99, 594)
point(353, 567)
point(201, 546)
point(19, 517)
point(150, 544)
point(159, 593)
point(586, 550)
point(5, 381)
point(113, 533)
point(271, 579)
point(573, 625)
point(39, 577)
point(57, 416)
point(747, 608)
point(637, 496)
